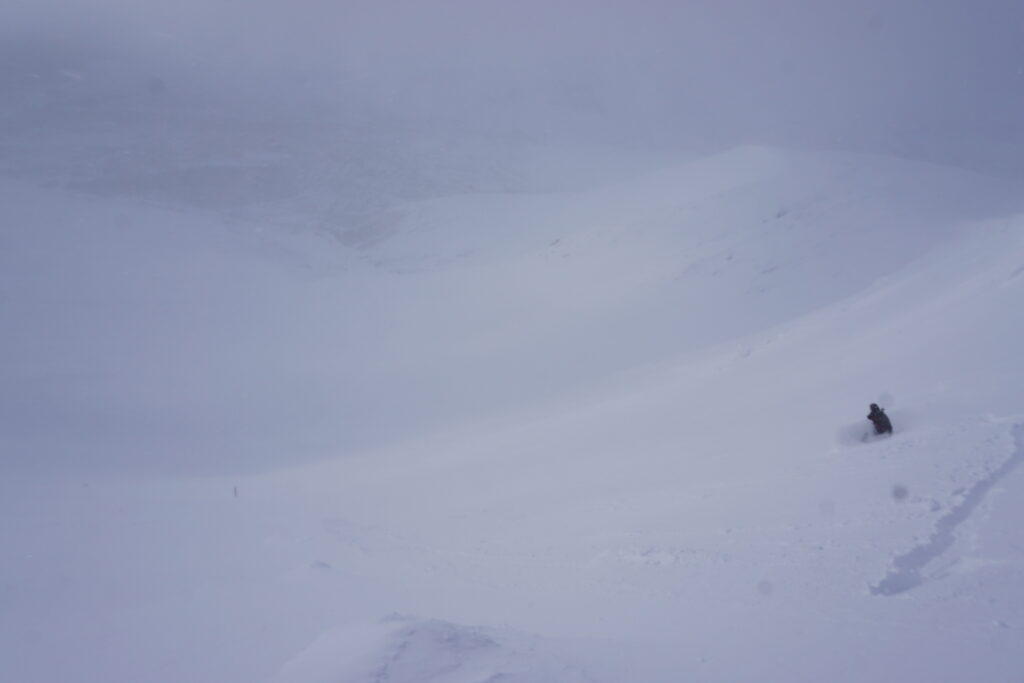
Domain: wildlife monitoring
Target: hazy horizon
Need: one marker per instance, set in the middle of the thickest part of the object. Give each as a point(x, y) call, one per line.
point(933, 81)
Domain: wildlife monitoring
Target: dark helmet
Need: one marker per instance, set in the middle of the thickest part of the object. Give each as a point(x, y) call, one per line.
point(874, 407)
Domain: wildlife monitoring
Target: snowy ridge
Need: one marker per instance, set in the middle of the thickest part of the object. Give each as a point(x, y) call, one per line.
point(632, 540)
point(622, 441)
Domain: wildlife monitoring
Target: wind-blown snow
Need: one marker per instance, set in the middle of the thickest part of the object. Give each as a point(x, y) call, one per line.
point(604, 435)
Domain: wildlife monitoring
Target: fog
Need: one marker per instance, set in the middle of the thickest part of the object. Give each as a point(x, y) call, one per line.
point(337, 119)
point(450, 340)
point(938, 80)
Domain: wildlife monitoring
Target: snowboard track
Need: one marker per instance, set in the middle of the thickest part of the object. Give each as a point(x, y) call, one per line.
point(906, 572)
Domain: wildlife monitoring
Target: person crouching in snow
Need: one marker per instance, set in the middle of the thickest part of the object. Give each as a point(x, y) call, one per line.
point(880, 420)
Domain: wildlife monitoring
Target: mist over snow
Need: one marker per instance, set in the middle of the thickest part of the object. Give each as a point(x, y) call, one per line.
point(477, 341)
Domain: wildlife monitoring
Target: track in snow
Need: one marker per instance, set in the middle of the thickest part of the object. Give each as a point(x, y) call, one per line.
point(906, 571)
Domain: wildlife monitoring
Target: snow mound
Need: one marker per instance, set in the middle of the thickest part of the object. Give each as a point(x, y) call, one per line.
point(408, 650)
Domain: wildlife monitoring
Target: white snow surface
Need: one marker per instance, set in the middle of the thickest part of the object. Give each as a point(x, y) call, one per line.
point(607, 435)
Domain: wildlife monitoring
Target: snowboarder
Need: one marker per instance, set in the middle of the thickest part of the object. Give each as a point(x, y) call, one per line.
point(880, 420)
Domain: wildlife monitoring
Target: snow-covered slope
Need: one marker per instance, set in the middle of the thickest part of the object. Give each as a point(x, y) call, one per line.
point(603, 436)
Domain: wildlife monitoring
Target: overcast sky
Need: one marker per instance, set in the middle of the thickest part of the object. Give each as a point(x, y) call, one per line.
point(940, 78)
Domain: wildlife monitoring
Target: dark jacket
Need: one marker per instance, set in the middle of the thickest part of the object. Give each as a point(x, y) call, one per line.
point(880, 420)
